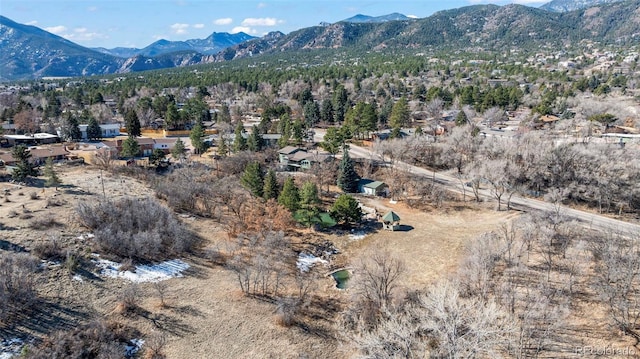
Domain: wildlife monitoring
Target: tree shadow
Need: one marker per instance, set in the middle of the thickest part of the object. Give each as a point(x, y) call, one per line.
point(43, 319)
point(8, 246)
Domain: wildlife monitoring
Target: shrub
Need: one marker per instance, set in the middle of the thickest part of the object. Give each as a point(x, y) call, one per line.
point(17, 284)
point(135, 228)
point(42, 223)
point(50, 249)
point(94, 340)
point(55, 202)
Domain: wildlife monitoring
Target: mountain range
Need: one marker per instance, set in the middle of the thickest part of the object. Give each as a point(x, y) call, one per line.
point(572, 5)
point(30, 52)
point(213, 44)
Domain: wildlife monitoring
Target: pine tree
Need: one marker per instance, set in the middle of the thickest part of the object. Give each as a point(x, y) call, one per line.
point(255, 142)
point(24, 168)
point(196, 135)
point(309, 198)
point(223, 148)
point(178, 150)
point(130, 147)
point(132, 123)
point(347, 176)
point(239, 142)
point(72, 130)
point(52, 177)
point(289, 197)
point(252, 179)
point(461, 118)
point(399, 113)
point(94, 132)
point(271, 188)
point(346, 210)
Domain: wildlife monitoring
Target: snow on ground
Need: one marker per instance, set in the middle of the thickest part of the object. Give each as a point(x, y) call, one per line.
point(10, 348)
point(143, 273)
point(357, 235)
point(133, 348)
point(82, 237)
point(306, 261)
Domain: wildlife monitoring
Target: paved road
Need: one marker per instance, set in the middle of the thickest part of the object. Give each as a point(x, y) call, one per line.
point(589, 220)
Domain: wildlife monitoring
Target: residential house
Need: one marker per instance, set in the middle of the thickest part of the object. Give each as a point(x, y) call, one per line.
point(164, 144)
point(109, 130)
point(294, 158)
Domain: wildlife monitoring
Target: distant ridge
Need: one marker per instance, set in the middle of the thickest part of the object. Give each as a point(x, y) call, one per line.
point(375, 19)
point(572, 5)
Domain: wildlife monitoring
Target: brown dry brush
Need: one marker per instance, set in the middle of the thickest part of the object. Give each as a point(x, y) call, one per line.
point(17, 285)
point(138, 228)
point(98, 339)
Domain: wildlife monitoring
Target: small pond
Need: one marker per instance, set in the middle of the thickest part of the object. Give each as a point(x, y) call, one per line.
point(342, 278)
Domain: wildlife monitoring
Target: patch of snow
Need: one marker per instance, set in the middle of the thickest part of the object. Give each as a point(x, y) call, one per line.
point(143, 273)
point(133, 348)
point(357, 235)
point(391, 201)
point(10, 348)
point(82, 237)
point(77, 278)
point(306, 261)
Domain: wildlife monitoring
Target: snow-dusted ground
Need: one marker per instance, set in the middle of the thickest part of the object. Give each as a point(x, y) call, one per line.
point(306, 261)
point(357, 235)
point(133, 348)
point(143, 273)
point(10, 348)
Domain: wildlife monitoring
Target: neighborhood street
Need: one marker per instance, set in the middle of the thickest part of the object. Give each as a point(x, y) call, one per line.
point(589, 220)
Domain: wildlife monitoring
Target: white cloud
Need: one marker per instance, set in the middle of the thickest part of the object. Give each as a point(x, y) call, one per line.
point(180, 29)
point(33, 22)
point(265, 21)
point(56, 29)
point(80, 30)
point(262, 5)
point(245, 29)
point(412, 16)
point(198, 26)
point(223, 21)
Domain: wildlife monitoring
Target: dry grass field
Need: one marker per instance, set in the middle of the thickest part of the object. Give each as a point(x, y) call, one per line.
point(205, 314)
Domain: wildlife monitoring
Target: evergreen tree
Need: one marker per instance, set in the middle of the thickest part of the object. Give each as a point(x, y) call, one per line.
point(239, 142)
point(333, 140)
point(289, 196)
point(311, 113)
point(172, 117)
point(326, 111)
point(461, 118)
point(252, 179)
point(308, 214)
point(196, 136)
point(132, 123)
point(24, 168)
point(255, 142)
point(399, 113)
point(347, 176)
point(340, 104)
point(271, 188)
point(223, 148)
point(52, 177)
point(130, 147)
point(71, 129)
point(178, 151)
point(157, 156)
point(94, 132)
point(309, 198)
point(346, 210)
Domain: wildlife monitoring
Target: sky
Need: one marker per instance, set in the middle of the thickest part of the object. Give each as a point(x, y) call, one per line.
point(138, 23)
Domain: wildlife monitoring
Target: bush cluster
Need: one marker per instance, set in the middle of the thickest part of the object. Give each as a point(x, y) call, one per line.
point(137, 228)
point(17, 284)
